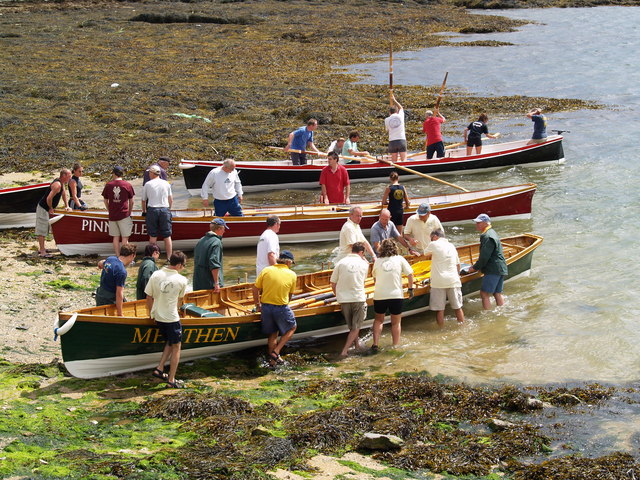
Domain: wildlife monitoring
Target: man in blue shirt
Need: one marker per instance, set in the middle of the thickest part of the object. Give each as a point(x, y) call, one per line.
point(113, 277)
point(539, 126)
point(301, 140)
point(384, 228)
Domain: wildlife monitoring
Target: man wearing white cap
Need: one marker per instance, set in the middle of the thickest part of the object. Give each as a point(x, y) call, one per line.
point(419, 226)
point(491, 262)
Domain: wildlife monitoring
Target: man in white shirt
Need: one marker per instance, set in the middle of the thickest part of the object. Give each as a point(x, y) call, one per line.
point(224, 184)
point(352, 233)
point(445, 277)
point(394, 124)
point(268, 245)
point(165, 290)
point(157, 200)
point(419, 226)
point(347, 282)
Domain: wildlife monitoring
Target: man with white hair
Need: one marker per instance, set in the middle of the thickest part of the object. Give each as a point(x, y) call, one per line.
point(224, 184)
point(351, 233)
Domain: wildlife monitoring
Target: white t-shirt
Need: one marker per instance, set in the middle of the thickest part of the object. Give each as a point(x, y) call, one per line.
point(444, 264)
point(268, 242)
point(350, 233)
point(421, 231)
point(222, 185)
point(388, 272)
point(394, 124)
point(157, 192)
point(349, 275)
point(166, 286)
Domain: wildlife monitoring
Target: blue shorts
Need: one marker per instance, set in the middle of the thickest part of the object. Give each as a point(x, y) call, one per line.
point(394, 305)
point(298, 158)
point(172, 332)
point(437, 148)
point(231, 206)
point(158, 221)
point(277, 318)
point(474, 141)
point(397, 217)
point(492, 283)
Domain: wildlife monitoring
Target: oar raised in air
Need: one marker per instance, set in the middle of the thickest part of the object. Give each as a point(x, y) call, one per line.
point(390, 75)
point(420, 174)
point(444, 83)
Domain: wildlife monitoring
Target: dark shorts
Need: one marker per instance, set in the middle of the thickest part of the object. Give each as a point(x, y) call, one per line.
point(231, 206)
point(172, 332)
point(394, 305)
point(397, 146)
point(492, 283)
point(158, 220)
point(298, 158)
point(397, 217)
point(277, 318)
point(474, 141)
point(105, 297)
point(437, 148)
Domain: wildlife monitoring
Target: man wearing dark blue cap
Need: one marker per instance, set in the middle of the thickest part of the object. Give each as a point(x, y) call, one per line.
point(271, 295)
point(207, 268)
point(491, 262)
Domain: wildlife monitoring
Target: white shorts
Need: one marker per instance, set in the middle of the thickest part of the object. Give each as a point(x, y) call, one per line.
point(438, 298)
point(42, 221)
point(121, 228)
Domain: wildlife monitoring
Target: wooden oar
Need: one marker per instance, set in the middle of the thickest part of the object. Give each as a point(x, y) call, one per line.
point(424, 175)
point(390, 75)
point(444, 83)
point(322, 154)
point(454, 145)
point(416, 154)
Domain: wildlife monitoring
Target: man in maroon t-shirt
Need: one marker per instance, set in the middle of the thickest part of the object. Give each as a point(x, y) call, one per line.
point(118, 198)
point(334, 180)
point(431, 126)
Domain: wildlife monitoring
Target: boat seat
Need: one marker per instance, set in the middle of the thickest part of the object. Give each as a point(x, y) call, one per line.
point(195, 311)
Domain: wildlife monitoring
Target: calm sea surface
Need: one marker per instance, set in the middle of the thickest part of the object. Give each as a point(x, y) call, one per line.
point(577, 317)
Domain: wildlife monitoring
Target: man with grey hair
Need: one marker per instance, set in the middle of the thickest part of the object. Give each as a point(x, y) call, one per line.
point(431, 127)
point(445, 277)
point(207, 258)
point(419, 226)
point(352, 233)
point(268, 245)
point(224, 184)
point(384, 228)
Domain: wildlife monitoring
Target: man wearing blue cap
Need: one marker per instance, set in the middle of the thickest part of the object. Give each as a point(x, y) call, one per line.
point(491, 262)
point(207, 262)
point(419, 226)
point(271, 294)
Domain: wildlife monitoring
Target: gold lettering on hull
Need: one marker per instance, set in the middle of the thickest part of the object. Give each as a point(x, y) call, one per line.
point(189, 335)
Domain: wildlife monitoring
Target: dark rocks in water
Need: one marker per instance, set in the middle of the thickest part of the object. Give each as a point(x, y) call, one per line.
point(376, 441)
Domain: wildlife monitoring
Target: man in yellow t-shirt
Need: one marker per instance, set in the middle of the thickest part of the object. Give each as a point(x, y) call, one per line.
point(271, 294)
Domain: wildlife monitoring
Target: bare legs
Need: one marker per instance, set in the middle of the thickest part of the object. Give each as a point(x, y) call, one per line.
point(168, 245)
point(486, 299)
point(273, 345)
point(170, 352)
point(396, 328)
point(352, 339)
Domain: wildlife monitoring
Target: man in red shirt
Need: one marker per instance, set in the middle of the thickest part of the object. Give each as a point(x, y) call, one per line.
point(433, 143)
point(118, 198)
point(334, 180)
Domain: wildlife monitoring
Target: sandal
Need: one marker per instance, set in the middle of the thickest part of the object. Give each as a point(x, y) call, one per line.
point(159, 374)
point(175, 384)
point(276, 358)
point(45, 255)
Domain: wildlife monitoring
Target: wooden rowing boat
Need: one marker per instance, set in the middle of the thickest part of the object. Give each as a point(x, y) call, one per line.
point(86, 232)
point(95, 342)
point(273, 175)
point(18, 205)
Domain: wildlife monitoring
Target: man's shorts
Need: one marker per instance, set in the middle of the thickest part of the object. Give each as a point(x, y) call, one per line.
point(474, 141)
point(158, 222)
point(397, 146)
point(298, 158)
point(437, 148)
point(277, 318)
point(354, 314)
point(121, 228)
point(171, 331)
point(42, 221)
point(492, 283)
point(394, 305)
point(438, 298)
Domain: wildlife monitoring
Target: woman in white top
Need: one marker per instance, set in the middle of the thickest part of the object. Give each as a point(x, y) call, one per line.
point(388, 293)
